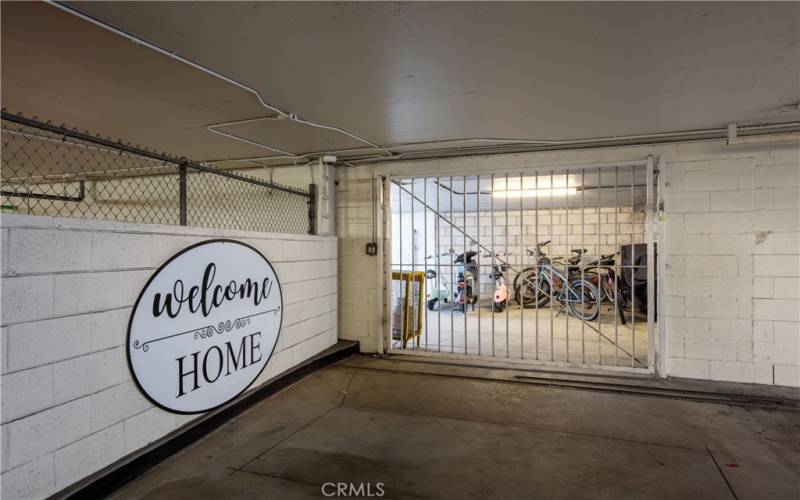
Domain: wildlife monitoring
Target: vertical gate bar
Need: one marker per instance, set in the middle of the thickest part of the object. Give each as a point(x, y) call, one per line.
point(385, 216)
point(599, 255)
point(617, 266)
point(464, 237)
point(182, 188)
point(480, 261)
point(508, 345)
point(550, 270)
point(521, 245)
point(535, 242)
point(413, 246)
point(580, 262)
point(425, 253)
point(438, 269)
point(494, 252)
point(651, 274)
point(452, 282)
point(408, 315)
point(400, 252)
point(632, 284)
point(567, 295)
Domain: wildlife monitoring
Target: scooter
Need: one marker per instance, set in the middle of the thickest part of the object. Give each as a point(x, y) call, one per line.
point(501, 295)
point(439, 291)
point(467, 271)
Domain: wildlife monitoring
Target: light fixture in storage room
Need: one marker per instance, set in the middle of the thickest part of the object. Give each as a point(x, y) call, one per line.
point(547, 186)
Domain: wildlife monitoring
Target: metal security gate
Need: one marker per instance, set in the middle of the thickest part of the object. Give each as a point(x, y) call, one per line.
point(546, 265)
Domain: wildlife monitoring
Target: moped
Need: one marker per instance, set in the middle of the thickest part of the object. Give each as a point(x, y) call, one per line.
point(467, 273)
point(501, 295)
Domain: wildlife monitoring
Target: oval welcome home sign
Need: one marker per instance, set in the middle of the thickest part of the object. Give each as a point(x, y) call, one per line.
point(205, 326)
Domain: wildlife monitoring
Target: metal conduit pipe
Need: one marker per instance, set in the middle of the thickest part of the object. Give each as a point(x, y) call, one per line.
point(304, 156)
point(522, 146)
point(550, 142)
point(517, 146)
point(507, 145)
point(613, 141)
point(209, 71)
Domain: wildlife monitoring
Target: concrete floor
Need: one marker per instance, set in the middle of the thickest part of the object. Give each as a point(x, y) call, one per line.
point(429, 430)
point(591, 343)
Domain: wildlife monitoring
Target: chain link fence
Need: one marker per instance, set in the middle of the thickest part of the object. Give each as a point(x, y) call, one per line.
point(55, 171)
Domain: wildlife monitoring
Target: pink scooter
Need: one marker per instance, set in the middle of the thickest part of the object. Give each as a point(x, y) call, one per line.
point(501, 295)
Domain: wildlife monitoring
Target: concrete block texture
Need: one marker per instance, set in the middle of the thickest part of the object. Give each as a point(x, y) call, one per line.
point(46, 251)
point(120, 251)
point(42, 342)
point(146, 427)
point(27, 298)
point(30, 480)
point(88, 374)
point(745, 241)
point(729, 241)
point(70, 406)
point(117, 403)
point(26, 392)
point(777, 176)
point(731, 371)
point(731, 201)
point(89, 292)
point(787, 375)
point(45, 432)
point(91, 453)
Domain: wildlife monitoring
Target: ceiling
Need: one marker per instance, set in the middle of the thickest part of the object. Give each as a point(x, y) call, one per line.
point(395, 73)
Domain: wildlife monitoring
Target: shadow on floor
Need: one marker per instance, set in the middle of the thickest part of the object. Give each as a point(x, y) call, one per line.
point(435, 435)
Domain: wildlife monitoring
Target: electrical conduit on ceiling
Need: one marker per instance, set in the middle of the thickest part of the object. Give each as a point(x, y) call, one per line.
point(504, 145)
point(287, 115)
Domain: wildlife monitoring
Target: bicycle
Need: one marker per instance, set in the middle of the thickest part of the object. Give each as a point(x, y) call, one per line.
point(535, 286)
point(613, 288)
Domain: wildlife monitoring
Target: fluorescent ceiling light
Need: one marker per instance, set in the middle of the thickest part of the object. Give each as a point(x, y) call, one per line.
point(543, 186)
point(531, 193)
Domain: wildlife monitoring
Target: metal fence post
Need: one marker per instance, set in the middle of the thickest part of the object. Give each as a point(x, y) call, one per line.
point(312, 209)
point(182, 192)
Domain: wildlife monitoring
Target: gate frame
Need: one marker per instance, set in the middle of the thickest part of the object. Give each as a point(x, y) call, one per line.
point(655, 361)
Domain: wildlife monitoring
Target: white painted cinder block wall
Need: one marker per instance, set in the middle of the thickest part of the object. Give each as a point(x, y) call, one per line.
point(69, 405)
point(599, 231)
point(729, 241)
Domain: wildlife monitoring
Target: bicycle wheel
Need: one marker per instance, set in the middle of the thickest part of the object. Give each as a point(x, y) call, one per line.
point(530, 290)
point(584, 300)
point(525, 271)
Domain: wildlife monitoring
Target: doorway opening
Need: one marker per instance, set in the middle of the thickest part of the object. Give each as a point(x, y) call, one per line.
point(546, 265)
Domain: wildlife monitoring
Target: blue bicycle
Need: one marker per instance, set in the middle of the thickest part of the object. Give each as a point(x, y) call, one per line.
point(536, 286)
